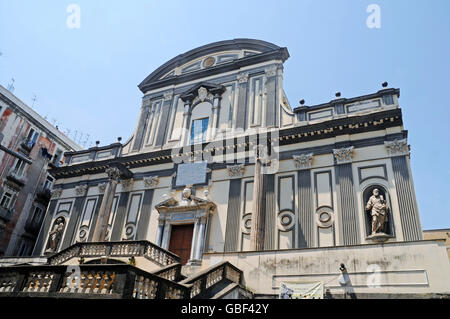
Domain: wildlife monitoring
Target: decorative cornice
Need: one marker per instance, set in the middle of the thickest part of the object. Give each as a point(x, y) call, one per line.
point(151, 181)
point(397, 147)
point(343, 155)
point(335, 127)
point(236, 170)
point(81, 190)
point(303, 161)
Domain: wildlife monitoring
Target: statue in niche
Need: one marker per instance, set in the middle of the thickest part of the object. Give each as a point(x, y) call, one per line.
point(379, 211)
point(55, 235)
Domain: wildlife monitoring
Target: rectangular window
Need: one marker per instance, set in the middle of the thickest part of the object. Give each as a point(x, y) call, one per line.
point(32, 138)
point(49, 183)
point(198, 131)
point(19, 168)
point(6, 200)
point(37, 214)
point(57, 158)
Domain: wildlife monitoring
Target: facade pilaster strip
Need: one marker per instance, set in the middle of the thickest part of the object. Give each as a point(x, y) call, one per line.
point(348, 209)
point(271, 101)
point(73, 222)
point(120, 216)
point(141, 128)
point(241, 114)
point(408, 210)
point(94, 216)
point(306, 214)
point(233, 216)
point(269, 211)
point(163, 125)
point(144, 218)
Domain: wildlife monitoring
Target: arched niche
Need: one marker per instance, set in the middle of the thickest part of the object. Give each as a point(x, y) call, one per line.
point(366, 194)
point(55, 235)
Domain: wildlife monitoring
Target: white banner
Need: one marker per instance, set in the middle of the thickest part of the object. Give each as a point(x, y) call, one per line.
point(297, 290)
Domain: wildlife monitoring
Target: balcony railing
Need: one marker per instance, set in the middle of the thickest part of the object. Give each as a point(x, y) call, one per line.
point(87, 281)
point(5, 214)
point(27, 145)
point(32, 227)
point(141, 248)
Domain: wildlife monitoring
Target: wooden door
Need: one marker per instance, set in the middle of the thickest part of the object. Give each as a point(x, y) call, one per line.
point(181, 240)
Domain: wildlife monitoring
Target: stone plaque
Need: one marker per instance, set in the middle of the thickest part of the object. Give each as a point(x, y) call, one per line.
point(191, 174)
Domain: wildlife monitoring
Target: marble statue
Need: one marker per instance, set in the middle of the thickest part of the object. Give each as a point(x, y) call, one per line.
point(55, 235)
point(379, 211)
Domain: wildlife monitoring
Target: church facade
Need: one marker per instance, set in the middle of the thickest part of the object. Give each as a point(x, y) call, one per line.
point(224, 185)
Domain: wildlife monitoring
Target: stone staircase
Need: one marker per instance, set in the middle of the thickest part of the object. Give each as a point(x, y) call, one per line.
point(119, 270)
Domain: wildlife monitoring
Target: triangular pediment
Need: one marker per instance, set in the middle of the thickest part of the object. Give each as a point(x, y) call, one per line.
point(195, 91)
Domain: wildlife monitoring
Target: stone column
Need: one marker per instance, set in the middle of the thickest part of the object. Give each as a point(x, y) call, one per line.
point(159, 234)
point(200, 239)
point(257, 224)
point(186, 118)
point(214, 117)
point(101, 226)
point(194, 240)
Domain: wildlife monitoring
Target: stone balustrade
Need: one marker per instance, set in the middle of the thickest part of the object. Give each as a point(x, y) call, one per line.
point(141, 248)
point(204, 280)
point(87, 281)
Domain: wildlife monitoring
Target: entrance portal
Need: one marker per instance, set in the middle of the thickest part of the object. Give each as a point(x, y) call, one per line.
point(181, 241)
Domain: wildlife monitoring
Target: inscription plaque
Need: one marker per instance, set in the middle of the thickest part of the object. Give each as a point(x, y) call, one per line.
point(191, 174)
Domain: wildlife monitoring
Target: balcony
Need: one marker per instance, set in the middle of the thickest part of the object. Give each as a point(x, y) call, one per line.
point(5, 214)
point(17, 179)
point(43, 196)
point(32, 227)
point(27, 145)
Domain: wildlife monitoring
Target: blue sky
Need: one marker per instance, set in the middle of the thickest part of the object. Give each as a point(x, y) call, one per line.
point(86, 79)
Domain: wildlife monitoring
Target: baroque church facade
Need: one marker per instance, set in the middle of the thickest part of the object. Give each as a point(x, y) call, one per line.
point(223, 185)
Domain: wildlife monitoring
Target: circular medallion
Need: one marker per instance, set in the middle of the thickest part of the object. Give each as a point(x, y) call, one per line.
point(286, 220)
point(209, 61)
point(246, 224)
point(324, 216)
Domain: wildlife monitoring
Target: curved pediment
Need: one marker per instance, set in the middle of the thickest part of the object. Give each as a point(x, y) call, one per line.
point(208, 56)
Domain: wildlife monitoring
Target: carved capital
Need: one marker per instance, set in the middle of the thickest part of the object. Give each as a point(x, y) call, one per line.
point(303, 160)
point(236, 170)
point(343, 155)
point(113, 173)
point(81, 190)
point(127, 184)
point(168, 96)
point(243, 78)
point(151, 181)
point(101, 188)
point(56, 193)
point(272, 71)
point(397, 147)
